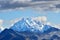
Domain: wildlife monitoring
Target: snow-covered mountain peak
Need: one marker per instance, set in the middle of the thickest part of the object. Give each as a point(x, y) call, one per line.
point(34, 23)
point(31, 25)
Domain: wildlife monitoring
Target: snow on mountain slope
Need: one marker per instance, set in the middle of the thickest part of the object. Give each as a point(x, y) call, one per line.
point(1, 29)
point(33, 29)
point(28, 24)
point(56, 26)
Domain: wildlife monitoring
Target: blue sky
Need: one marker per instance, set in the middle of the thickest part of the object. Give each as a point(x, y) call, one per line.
point(10, 15)
point(31, 8)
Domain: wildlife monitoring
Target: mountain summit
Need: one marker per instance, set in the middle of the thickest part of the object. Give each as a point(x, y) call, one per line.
point(29, 29)
point(28, 24)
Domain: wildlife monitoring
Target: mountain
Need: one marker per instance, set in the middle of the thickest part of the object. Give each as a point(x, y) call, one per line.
point(9, 34)
point(29, 29)
point(1, 29)
point(28, 24)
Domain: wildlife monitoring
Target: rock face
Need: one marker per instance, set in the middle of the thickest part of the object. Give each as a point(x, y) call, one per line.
point(28, 29)
point(9, 34)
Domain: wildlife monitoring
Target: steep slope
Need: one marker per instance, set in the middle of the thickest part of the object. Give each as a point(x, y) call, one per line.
point(29, 29)
point(25, 24)
point(30, 25)
point(1, 29)
point(9, 34)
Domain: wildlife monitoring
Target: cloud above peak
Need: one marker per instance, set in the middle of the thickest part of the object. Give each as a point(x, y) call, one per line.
point(42, 5)
point(41, 19)
point(1, 22)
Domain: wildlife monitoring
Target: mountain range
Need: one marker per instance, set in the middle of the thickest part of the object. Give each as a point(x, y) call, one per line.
point(29, 29)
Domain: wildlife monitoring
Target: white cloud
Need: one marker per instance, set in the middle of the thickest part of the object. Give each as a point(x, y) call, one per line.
point(1, 21)
point(1, 24)
point(42, 18)
point(45, 5)
point(22, 0)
